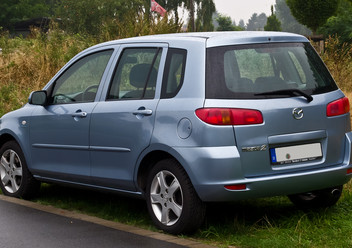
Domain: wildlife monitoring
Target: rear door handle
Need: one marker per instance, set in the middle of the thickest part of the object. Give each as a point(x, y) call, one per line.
point(143, 111)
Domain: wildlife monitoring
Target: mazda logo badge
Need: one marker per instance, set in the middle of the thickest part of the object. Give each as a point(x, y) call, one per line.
point(297, 113)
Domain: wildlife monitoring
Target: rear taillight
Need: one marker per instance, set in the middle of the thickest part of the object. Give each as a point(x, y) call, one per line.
point(229, 116)
point(338, 107)
point(236, 187)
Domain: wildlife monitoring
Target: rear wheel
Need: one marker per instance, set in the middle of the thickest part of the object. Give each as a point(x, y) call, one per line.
point(173, 204)
point(15, 178)
point(317, 199)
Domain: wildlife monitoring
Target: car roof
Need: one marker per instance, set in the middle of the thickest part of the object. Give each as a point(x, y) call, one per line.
point(213, 39)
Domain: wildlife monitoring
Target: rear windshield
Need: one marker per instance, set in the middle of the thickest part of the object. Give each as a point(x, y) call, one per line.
point(248, 71)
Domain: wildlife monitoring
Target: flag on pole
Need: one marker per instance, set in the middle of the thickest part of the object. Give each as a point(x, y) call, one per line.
point(157, 8)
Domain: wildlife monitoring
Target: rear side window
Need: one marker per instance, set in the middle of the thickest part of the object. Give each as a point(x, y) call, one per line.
point(247, 71)
point(174, 72)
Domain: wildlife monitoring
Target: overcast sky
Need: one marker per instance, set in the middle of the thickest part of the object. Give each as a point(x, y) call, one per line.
point(243, 9)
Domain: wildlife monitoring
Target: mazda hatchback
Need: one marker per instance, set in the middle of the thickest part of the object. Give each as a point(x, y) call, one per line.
point(185, 119)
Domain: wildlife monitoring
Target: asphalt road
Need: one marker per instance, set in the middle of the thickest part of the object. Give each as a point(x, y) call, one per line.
point(23, 226)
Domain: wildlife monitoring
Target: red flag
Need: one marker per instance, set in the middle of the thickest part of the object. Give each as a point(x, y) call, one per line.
point(157, 8)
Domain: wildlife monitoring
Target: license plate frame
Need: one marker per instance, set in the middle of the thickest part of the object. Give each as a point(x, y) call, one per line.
point(296, 154)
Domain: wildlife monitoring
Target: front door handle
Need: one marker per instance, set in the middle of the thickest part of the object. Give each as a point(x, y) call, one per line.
point(80, 114)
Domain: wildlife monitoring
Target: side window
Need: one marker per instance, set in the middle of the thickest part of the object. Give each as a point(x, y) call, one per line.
point(136, 74)
point(80, 82)
point(174, 72)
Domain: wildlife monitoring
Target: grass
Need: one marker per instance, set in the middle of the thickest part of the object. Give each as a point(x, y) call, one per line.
point(268, 222)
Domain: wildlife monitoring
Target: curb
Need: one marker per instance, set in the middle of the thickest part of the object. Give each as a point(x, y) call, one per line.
point(111, 224)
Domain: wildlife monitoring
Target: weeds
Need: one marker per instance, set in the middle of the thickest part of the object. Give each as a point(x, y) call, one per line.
point(28, 64)
point(338, 59)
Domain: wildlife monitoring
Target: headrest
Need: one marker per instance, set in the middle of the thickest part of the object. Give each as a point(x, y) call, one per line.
point(139, 74)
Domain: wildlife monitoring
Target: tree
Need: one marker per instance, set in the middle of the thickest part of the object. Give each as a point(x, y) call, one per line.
point(288, 22)
point(312, 13)
point(225, 24)
point(90, 16)
point(205, 11)
point(340, 25)
point(241, 24)
point(272, 24)
point(13, 11)
point(256, 23)
point(171, 6)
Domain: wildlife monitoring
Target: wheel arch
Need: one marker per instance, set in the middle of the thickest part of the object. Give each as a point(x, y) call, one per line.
point(192, 212)
point(7, 137)
point(148, 161)
point(150, 157)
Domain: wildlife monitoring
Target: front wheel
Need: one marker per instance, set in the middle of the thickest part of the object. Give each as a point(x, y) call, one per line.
point(317, 199)
point(15, 178)
point(172, 202)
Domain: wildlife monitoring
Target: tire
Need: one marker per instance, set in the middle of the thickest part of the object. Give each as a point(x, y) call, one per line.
point(317, 199)
point(172, 202)
point(15, 178)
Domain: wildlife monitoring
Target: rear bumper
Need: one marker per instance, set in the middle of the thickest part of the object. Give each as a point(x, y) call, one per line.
point(211, 168)
point(276, 185)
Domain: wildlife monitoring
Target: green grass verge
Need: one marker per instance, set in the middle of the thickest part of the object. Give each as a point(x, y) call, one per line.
point(270, 222)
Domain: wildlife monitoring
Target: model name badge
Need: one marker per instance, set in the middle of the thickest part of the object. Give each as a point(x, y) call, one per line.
point(255, 148)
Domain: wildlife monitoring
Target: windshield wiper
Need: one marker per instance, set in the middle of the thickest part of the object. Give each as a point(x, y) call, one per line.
point(290, 92)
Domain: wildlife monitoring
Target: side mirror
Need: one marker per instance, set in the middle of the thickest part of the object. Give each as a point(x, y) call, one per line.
point(38, 98)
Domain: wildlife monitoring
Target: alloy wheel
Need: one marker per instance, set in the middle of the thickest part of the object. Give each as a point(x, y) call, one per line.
point(11, 171)
point(166, 198)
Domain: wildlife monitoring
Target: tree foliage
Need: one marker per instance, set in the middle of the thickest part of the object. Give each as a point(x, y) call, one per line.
point(205, 11)
point(312, 13)
point(340, 25)
point(225, 24)
point(12, 11)
point(257, 23)
point(171, 6)
point(272, 24)
point(241, 24)
point(90, 16)
point(288, 22)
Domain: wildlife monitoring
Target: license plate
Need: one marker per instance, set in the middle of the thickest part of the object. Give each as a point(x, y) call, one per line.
point(295, 154)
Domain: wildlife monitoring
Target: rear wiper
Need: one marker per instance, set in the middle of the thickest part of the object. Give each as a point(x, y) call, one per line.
point(290, 92)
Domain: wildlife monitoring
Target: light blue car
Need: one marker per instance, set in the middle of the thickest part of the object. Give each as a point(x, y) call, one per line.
point(185, 119)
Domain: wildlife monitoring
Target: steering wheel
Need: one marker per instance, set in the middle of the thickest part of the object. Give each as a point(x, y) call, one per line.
point(62, 98)
point(86, 95)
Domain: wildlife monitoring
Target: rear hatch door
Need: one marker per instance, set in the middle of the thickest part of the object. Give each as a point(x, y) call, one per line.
point(291, 87)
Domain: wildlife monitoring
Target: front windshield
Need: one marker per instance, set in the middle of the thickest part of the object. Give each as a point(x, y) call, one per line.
point(246, 71)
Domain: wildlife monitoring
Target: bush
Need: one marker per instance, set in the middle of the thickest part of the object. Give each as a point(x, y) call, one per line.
point(338, 59)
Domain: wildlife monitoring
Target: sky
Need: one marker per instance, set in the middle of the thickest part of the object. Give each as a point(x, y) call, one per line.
point(243, 9)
